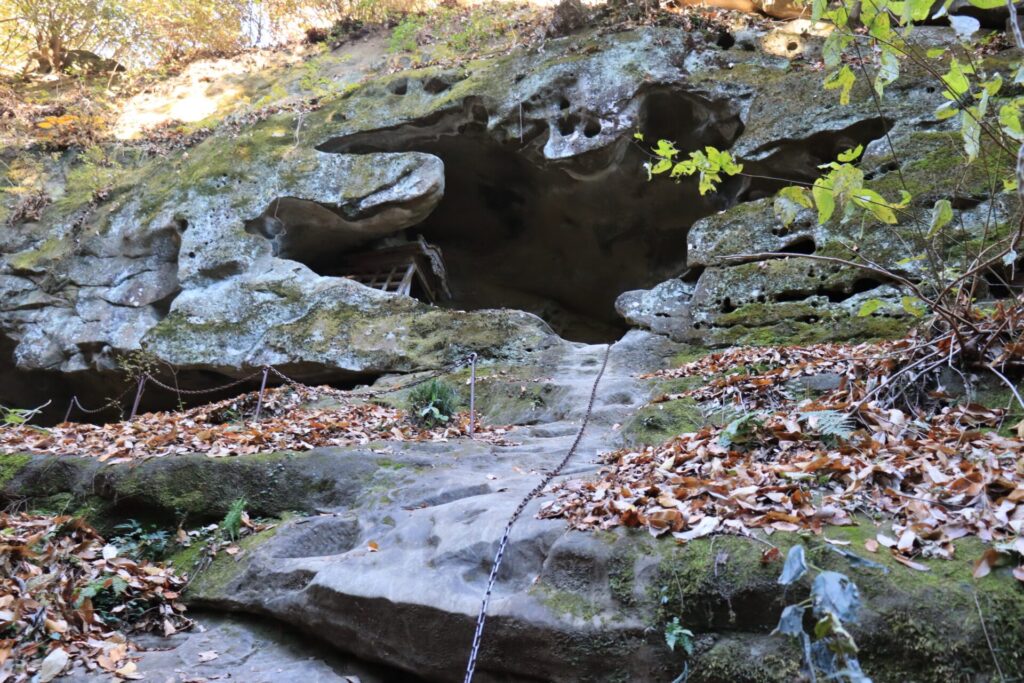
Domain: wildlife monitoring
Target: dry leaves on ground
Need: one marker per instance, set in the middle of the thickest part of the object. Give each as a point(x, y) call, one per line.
point(66, 596)
point(784, 465)
point(225, 428)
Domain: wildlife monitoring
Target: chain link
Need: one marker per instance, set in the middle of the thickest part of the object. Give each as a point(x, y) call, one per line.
point(503, 543)
point(93, 411)
point(199, 392)
point(147, 377)
point(111, 404)
point(286, 378)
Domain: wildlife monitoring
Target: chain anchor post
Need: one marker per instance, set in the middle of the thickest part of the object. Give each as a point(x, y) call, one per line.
point(263, 387)
point(138, 396)
point(71, 404)
point(472, 394)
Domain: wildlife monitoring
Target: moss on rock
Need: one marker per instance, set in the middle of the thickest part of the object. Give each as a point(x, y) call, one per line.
point(745, 658)
point(657, 422)
point(211, 581)
point(921, 626)
point(193, 487)
point(10, 465)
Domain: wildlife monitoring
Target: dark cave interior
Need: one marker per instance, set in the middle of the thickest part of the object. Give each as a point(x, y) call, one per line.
point(563, 239)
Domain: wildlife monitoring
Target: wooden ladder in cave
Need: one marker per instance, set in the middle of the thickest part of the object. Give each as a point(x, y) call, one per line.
point(415, 269)
point(388, 280)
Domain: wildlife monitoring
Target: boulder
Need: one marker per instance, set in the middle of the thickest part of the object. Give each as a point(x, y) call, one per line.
point(568, 16)
point(661, 309)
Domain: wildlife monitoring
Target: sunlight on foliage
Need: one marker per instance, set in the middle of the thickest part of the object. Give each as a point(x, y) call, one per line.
point(709, 164)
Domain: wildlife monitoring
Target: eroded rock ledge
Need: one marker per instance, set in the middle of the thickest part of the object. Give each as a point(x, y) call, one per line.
point(522, 169)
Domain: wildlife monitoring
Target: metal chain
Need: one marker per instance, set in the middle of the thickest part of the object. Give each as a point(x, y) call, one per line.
point(87, 411)
point(286, 378)
point(198, 392)
point(147, 377)
point(503, 543)
point(111, 404)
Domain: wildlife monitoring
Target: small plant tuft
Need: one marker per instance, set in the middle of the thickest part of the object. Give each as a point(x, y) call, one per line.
point(433, 403)
point(231, 527)
point(141, 542)
point(675, 634)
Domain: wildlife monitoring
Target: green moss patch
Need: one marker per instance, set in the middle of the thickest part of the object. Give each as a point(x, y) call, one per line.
point(829, 328)
point(657, 422)
point(566, 603)
point(211, 582)
point(10, 465)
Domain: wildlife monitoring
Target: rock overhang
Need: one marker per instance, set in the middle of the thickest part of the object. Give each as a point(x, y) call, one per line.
point(379, 157)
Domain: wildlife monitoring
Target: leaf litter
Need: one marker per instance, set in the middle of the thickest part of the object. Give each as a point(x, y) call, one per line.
point(67, 596)
point(294, 417)
point(939, 473)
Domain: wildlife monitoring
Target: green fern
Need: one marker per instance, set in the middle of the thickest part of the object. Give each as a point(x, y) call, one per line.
point(830, 424)
point(740, 431)
point(231, 527)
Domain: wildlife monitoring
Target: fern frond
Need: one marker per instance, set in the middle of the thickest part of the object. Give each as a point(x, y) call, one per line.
point(829, 423)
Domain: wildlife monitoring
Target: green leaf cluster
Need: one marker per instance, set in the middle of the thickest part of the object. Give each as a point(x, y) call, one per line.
point(675, 634)
point(841, 188)
point(231, 526)
point(709, 164)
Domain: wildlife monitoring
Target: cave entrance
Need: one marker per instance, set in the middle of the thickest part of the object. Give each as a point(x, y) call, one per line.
point(539, 238)
point(559, 238)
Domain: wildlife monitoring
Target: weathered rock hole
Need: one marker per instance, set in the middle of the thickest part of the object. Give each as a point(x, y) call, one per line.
point(567, 124)
point(1006, 281)
point(692, 274)
point(861, 285)
point(963, 203)
point(399, 86)
point(802, 245)
point(725, 40)
point(436, 86)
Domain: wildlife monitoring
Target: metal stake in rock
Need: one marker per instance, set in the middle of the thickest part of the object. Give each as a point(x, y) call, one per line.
point(263, 386)
point(472, 394)
point(138, 396)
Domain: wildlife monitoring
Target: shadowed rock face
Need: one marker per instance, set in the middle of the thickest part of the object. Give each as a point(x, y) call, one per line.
point(408, 187)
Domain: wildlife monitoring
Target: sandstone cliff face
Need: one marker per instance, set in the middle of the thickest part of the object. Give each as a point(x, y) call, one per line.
point(523, 170)
point(218, 259)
